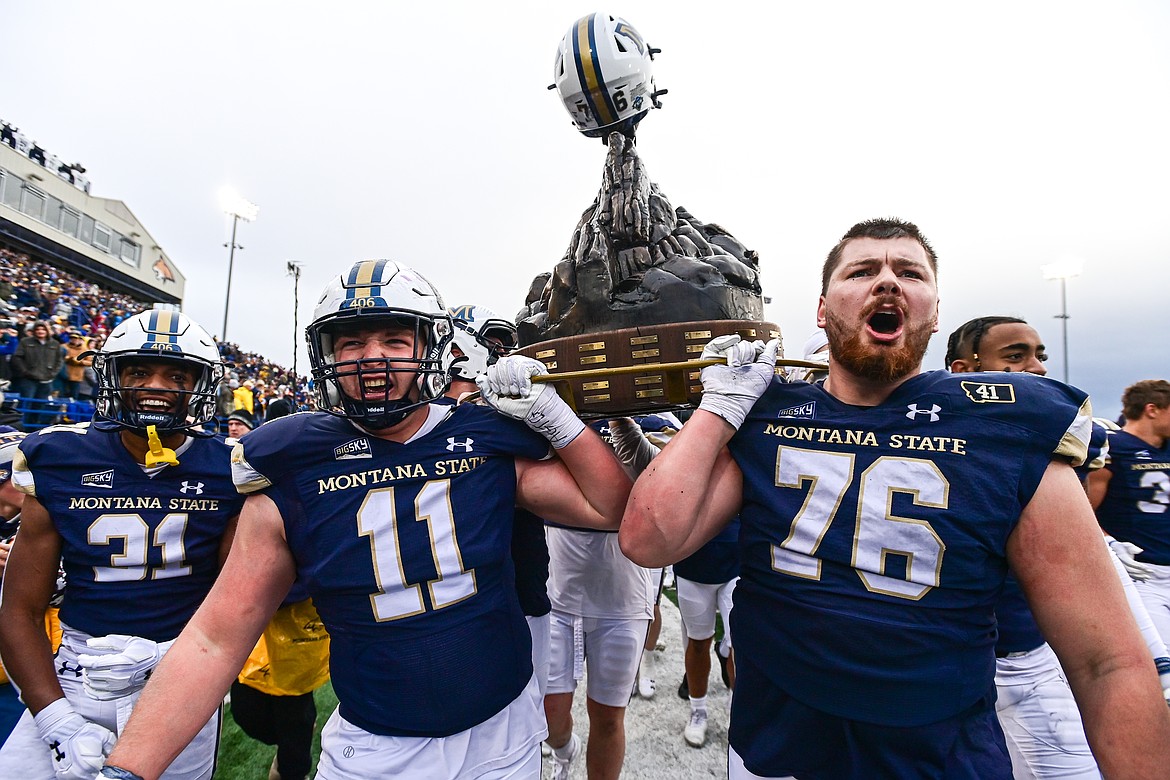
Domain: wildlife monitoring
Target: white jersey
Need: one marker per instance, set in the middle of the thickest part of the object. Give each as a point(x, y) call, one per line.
point(589, 577)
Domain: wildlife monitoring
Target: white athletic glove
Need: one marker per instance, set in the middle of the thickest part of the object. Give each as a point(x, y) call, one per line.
point(78, 748)
point(631, 446)
point(730, 391)
point(118, 666)
point(507, 387)
point(1125, 552)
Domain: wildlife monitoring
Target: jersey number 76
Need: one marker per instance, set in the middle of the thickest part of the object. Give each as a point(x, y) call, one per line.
point(878, 533)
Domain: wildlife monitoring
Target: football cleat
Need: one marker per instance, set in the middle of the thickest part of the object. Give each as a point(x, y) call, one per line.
point(695, 733)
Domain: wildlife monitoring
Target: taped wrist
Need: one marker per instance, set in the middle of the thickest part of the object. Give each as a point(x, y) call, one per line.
point(729, 409)
point(118, 773)
point(52, 716)
point(552, 418)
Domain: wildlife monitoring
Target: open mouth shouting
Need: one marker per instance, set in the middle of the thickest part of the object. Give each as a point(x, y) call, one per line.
point(375, 385)
point(884, 324)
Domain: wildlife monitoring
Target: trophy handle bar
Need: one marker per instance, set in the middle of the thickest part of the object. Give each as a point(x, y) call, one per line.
point(676, 374)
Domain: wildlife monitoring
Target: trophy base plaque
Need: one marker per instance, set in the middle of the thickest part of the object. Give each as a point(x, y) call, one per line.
point(636, 371)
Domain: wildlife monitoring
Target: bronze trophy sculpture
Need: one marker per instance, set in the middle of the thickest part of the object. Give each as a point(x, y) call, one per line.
point(643, 286)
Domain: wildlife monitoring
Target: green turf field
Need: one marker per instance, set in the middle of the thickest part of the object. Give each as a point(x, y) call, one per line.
point(243, 758)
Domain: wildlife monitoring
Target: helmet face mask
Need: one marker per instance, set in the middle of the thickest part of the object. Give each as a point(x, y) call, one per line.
point(604, 76)
point(157, 338)
point(483, 337)
point(383, 301)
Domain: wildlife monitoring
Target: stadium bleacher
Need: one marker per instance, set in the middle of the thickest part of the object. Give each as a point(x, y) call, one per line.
point(32, 291)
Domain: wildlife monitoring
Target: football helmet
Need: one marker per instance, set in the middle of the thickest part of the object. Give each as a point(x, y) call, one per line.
point(604, 76)
point(482, 336)
point(9, 443)
point(157, 336)
point(374, 294)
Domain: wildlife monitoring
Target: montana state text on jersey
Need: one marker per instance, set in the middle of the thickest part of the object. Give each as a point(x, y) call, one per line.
point(405, 551)
point(126, 537)
point(851, 513)
point(1136, 507)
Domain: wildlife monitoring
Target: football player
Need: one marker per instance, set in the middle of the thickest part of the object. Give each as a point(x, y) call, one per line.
point(1132, 493)
point(481, 338)
point(880, 510)
point(602, 608)
point(1045, 736)
point(397, 513)
point(706, 581)
point(10, 502)
point(139, 507)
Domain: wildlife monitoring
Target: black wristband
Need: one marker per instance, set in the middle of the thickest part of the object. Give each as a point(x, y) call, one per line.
point(118, 773)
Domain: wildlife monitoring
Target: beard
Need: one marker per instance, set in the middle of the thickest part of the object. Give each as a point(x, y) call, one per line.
point(877, 362)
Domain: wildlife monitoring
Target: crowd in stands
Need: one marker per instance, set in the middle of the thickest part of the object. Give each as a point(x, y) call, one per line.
point(50, 319)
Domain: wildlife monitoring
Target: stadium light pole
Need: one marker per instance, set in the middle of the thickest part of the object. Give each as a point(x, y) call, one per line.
point(1063, 270)
point(239, 208)
point(293, 269)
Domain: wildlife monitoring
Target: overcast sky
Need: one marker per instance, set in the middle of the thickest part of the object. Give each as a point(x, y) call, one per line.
point(1015, 134)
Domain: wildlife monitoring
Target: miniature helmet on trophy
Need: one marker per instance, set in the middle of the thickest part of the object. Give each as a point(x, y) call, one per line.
point(377, 296)
point(483, 337)
point(604, 76)
point(157, 336)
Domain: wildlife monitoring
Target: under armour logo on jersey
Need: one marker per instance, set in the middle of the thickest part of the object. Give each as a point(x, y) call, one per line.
point(463, 445)
point(915, 411)
point(197, 488)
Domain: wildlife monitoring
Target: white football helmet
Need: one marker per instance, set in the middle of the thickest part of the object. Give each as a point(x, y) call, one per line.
point(373, 294)
point(604, 76)
point(9, 443)
point(482, 336)
point(155, 336)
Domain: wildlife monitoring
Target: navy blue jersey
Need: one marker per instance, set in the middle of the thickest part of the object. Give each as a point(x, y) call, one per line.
point(140, 552)
point(1018, 631)
point(716, 562)
point(873, 539)
point(1136, 507)
point(405, 551)
point(1098, 450)
point(530, 557)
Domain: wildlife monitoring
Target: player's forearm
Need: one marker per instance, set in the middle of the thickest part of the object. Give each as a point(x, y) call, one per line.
point(673, 497)
point(184, 690)
point(1126, 719)
point(192, 678)
point(28, 657)
point(603, 482)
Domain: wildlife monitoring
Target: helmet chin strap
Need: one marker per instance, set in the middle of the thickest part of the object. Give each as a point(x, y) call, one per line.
point(158, 454)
